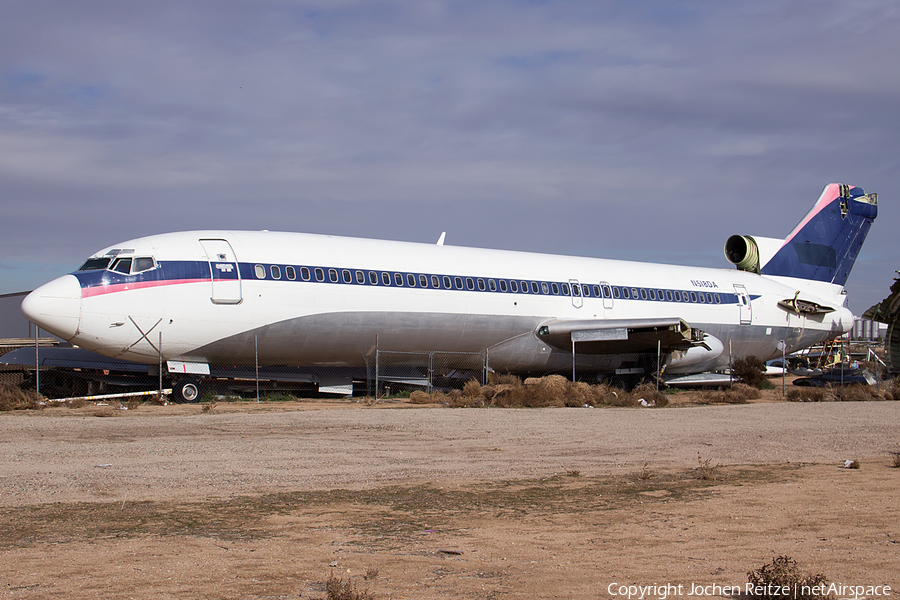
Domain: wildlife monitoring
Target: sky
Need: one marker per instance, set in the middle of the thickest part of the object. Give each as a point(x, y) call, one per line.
point(643, 130)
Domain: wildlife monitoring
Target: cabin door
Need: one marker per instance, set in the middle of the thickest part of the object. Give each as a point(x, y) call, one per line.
point(744, 304)
point(606, 290)
point(577, 300)
point(223, 267)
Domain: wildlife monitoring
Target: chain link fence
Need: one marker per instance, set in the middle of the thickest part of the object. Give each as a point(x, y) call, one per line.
point(58, 371)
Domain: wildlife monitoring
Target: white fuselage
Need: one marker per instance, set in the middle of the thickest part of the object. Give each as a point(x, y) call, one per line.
point(177, 310)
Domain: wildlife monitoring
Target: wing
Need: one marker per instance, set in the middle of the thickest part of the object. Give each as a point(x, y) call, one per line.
point(621, 336)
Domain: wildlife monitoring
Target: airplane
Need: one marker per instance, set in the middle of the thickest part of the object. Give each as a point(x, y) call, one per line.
point(196, 298)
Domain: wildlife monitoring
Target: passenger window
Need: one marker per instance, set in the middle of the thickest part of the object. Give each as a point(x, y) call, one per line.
point(386, 278)
point(625, 293)
point(470, 284)
point(141, 264)
point(702, 298)
point(513, 286)
point(320, 274)
point(576, 289)
point(345, 274)
point(398, 279)
point(607, 292)
point(596, 290)
point(290, 272)
point(634, 293)
point(492, 285)
point(332, 275)
point(545, 288)
point(458, 281)
point(503, 287)
point(423, 281)
point(565, 288)
point(435, 282)
point(122, 265)
point(260, 271)
point(669, 295)
point(411, 280)
point(693, 296)
point(275, 270)
point(360, 277)
point(304, 273)
point(481, 284)
point(709, 299)
point(373, 277)
point(534, 287)
point(643, 294)
point(653, 294)
point(555, 288)
point(718, 299)
point(446, 282)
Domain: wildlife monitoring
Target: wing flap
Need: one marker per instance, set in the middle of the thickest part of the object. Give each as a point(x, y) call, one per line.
point(620, 336)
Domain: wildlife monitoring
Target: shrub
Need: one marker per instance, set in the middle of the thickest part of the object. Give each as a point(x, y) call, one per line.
point(338, 589)
point(739, 393)
point(750, 370)
point(419, 397)
point(472, 389)
point(857, 392)
point(12, 397)
point(781, 575)
point(806, 394)
point(650, 395)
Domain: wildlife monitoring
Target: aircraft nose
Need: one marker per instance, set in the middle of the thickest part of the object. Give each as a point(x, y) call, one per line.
point(55, 306)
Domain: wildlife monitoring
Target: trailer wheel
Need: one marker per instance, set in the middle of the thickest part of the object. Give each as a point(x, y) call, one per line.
point(186, 391)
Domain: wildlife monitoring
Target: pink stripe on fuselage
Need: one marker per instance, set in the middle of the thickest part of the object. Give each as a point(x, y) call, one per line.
point(100, 290)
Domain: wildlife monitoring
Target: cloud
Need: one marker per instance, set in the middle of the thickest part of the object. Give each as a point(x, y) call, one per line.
point(564, 127)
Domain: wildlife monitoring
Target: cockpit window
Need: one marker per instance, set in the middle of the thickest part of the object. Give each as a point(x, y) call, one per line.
point(142, 263)
point(122, 265)
point(95, 264)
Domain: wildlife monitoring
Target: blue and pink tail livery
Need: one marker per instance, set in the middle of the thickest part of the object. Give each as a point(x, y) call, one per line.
point(825, 244)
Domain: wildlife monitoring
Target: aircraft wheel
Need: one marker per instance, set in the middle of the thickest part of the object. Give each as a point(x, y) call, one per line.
point(186, 391)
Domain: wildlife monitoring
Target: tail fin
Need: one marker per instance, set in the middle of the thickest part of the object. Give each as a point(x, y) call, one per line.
point(825, 244)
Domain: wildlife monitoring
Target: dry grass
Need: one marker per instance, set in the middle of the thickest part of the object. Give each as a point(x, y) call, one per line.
point(739, 393)
point(895, 459)
point(420, 397)
point(209, 407)
point(14, 398)
point(856, 393)
point(707, 471)
point(338, 589)
point(782, 579)
point(806, 394)
point(507, 391)
point(646, 474)
point(651, 395)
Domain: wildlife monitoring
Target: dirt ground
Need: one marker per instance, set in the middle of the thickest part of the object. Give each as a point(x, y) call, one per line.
point(270, 500)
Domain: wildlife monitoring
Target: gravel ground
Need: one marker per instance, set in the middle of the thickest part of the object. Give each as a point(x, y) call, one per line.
point(181, 457)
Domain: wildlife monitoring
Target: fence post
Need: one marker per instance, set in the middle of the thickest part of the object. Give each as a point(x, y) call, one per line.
point(159, 350)
point(37, 363)
point(256, 354)
point(377, 383)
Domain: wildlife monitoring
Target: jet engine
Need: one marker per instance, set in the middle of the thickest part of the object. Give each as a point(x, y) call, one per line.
point(751, 253)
